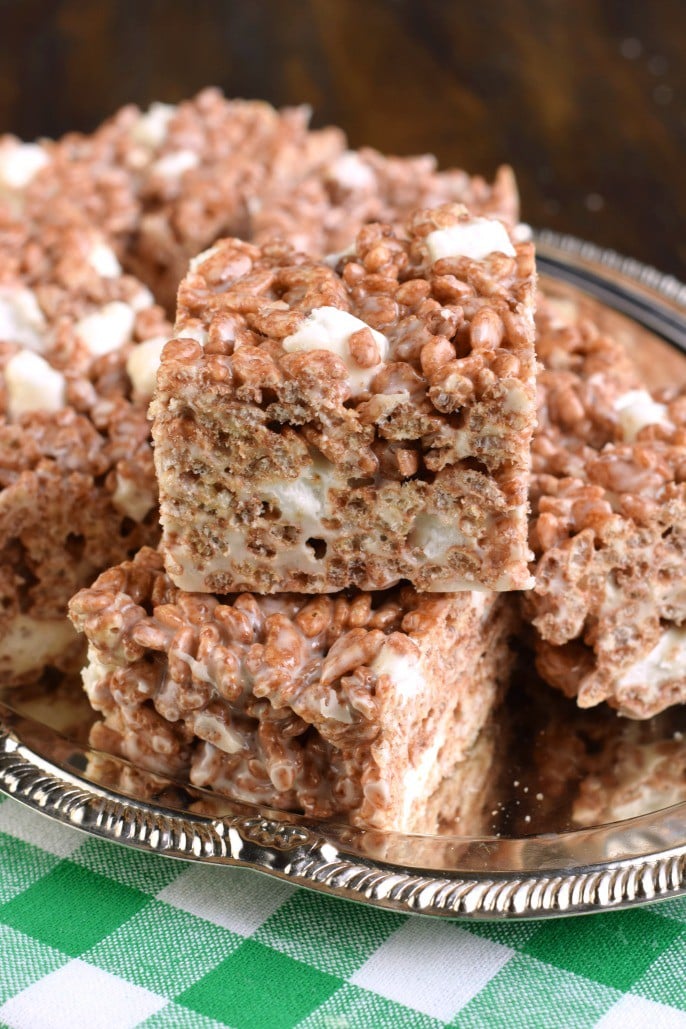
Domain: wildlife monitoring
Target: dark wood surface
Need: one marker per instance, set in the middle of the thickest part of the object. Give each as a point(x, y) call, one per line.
point(585, 98)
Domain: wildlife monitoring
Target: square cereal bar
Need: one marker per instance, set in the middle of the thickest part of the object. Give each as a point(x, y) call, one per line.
point(609, 527)
point(318, 427)
point(357, 705)
point(77, 486)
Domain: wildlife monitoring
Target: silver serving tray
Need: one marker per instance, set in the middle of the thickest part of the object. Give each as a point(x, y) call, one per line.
point(527, 864)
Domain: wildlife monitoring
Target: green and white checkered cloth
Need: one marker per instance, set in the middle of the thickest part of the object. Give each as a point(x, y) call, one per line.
point(94, 935)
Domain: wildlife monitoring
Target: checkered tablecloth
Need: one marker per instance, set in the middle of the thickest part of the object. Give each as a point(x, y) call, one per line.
point(94, 935)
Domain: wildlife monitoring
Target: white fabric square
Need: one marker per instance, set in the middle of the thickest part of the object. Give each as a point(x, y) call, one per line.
point(233, 898)
point(80, 995)
point(633, 1012)
point(433, 967)
point(33, 827)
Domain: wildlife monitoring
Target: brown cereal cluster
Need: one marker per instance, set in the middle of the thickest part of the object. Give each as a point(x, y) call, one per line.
point(608, 530)
point(60, 524)
point(277, 700)
point(78, 490)
point(443, 427)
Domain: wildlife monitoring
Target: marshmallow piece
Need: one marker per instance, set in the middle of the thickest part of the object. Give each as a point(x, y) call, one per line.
point(141, 299)
point(103, 260)
point(635, 410)
point(351, 172)
point(131, 499)
point(173, 165)
point(403, 668)
point(107, 329)
point(151, 128)
point(142, 364)
point(21, 319)
point(475, 238)
point(328, 328)
point(664, 662)
point(32, 385)
point(19, 162)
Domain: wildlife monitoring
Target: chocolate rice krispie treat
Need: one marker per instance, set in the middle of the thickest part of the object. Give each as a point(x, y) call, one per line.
point(608, 529)
point(320, 426)
point(78, 346)
point(356, 705)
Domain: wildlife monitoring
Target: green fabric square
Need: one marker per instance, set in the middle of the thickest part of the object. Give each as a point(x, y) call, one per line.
point(528, 992)
point(72, 908)
point(355, 1008)
point(24, 961)
point(149, 873)
point(665, 980)
point(613, 948)
point(163, 948)
point(21, 865)
point(259, 988)
point(173, 1016)
point(331, 935)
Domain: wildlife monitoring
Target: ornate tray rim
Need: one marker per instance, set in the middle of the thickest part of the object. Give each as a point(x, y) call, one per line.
point(320, 856)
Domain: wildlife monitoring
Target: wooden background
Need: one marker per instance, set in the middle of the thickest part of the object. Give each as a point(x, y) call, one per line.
point(586, 98)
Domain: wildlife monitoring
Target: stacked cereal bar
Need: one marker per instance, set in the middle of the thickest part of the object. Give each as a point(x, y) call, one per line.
point(609, 526)
point(382, 410)
point(77, 489)
point(320, 425)
point(359, 705)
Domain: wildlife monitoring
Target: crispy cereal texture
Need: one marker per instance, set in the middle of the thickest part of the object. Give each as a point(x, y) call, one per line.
point(321, 426)
point(357, 705)
point(77, 486)
point(608, 529)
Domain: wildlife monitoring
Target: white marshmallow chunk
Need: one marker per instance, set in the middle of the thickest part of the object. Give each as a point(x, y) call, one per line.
point(19, 162)
point(32, 385)
point(351, 172)
point(666, 661)
point(328, 328)
point(635, 410)
point(151, 128)
point(107, 329)
point(142, 364)
point(21, 319)
point(175, 164)
point(103, 260)
point(132, 500)
point(403, 669)
point(476, 239)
